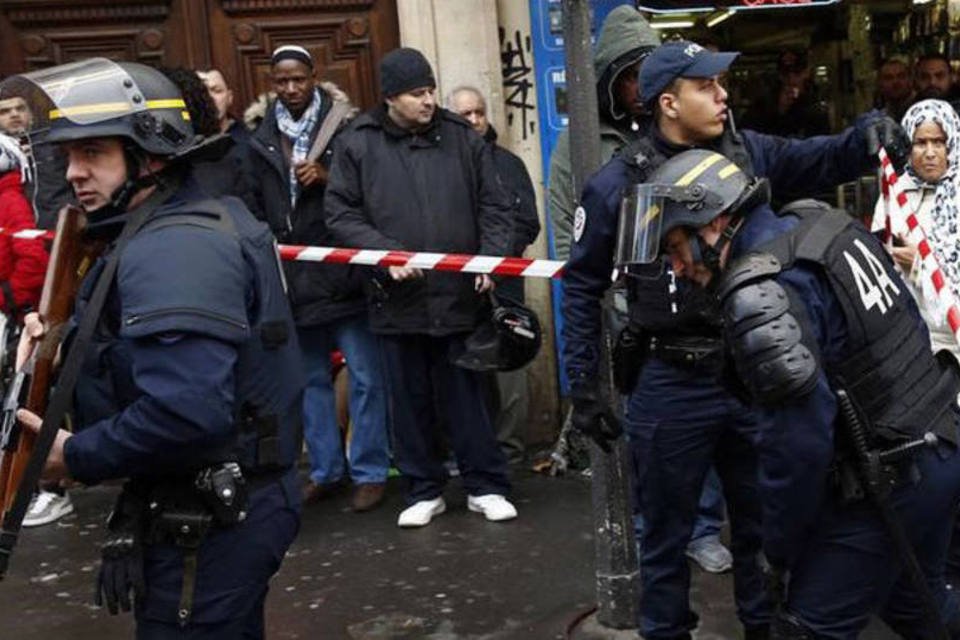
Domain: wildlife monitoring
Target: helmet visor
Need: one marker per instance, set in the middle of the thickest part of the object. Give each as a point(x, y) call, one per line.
point(641, 220)
point(81, 93)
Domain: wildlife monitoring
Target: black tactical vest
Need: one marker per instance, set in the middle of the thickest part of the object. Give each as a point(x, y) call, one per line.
point(890, 372)
point(652, 312)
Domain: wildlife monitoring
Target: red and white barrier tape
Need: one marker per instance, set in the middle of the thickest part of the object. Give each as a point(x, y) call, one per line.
point(919, 237)
point(28, 234)
point(523, 267)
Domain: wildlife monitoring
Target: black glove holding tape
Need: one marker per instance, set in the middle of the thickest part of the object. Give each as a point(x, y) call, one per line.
point(592, 416)
point(881, 130)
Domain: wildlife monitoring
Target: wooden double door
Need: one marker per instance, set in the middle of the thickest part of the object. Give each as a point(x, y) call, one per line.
point(346, 37)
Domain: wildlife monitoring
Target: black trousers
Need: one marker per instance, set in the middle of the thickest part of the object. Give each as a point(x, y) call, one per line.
point(422, 381)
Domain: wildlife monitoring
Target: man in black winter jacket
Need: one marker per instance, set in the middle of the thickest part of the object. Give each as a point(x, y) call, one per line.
point(411, 176)
point(511, 400)
point(287, 176)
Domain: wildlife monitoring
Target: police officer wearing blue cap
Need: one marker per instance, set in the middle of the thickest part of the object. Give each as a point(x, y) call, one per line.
point(190, 382)
point(679, 418)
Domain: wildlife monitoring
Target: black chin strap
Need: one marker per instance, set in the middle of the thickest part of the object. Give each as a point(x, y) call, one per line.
point(135, 160)
point(710, 253)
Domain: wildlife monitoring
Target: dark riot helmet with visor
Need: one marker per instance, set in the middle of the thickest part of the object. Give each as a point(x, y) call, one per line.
point(688, 190)
point(100, 98)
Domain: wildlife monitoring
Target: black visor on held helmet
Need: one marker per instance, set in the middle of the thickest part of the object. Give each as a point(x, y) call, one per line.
point(507, 341)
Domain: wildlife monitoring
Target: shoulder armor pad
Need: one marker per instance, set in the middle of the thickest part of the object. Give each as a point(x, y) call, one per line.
point(767, 343)
point(201, 287)
point(747, 268)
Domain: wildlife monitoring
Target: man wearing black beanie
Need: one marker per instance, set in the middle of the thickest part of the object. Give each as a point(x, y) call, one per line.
point(412, 176)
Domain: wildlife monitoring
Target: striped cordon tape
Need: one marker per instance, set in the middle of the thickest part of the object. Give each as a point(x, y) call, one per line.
point(928, 260)
point(523, 267)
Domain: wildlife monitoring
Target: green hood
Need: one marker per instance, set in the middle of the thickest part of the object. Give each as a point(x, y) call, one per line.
point(624, 30)
point(625, 37)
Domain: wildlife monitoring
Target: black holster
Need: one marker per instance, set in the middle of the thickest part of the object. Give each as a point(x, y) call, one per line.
point(629, 352)
point(183, 511)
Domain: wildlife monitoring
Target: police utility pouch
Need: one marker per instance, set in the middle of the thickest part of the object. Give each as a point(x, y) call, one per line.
point(224, 491)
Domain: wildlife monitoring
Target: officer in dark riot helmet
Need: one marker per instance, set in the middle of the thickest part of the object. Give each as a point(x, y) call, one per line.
point(679, 419)
point(190, 386)
point(859, 471)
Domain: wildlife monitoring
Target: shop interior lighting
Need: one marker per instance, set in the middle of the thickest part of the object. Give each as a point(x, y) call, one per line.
point(922, 1)
point(719, 17)
point(671, 24)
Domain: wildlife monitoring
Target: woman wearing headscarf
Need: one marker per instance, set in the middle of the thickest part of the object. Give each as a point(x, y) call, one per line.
point(931, 185)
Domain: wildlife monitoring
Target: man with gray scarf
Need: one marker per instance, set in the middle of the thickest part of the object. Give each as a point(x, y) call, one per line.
point(287, 166)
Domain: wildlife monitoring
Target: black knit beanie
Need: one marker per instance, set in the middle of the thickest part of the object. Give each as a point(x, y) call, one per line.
point(404, 69)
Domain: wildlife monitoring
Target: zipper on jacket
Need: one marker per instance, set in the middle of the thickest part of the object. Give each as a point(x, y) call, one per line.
point(132, 320)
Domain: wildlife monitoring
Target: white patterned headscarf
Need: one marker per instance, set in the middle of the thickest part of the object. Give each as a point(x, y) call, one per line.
point(944, 232)
point(12, 157)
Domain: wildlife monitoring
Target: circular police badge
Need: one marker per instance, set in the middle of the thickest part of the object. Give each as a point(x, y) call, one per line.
point(579, 222)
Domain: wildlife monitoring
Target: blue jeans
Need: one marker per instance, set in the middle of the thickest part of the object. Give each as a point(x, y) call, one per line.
point(710, 510)
point(368, 449)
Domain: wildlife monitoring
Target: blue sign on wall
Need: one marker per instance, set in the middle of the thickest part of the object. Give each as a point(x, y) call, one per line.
point(546, 18)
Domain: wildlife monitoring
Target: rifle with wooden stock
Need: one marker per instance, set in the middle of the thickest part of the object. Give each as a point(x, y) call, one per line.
point(23, 453)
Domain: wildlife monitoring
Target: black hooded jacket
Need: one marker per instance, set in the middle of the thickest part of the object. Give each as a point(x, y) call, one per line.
point(515, 179)
point(319, 293)
point(434, 190)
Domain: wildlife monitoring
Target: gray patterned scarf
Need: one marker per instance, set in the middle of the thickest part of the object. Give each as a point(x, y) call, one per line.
point(944, 232)
point(298, 132)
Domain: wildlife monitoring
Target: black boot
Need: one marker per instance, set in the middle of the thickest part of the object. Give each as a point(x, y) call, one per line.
point(786, 627)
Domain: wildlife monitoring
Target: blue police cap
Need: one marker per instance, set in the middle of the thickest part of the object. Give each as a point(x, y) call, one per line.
point(679, 59)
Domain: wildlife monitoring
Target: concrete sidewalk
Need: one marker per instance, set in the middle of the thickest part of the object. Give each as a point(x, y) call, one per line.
point(358, 577)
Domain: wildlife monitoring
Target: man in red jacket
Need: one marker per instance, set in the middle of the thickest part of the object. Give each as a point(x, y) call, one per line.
point(23, 264)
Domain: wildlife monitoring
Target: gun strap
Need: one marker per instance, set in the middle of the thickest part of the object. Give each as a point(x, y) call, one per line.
point(331, 123)
point(62, 395)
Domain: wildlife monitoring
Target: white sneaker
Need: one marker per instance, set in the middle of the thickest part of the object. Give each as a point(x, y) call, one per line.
point(47, 507)
point(493, 506)
point(419, 514)
point(710, 554)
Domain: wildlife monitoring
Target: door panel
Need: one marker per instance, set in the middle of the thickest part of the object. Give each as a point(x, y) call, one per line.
point(346, 37)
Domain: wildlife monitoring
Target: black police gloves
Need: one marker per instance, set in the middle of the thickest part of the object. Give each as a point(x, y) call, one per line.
point(883, 131)
point(121, 572)
point(121, 565)
point(592, 417)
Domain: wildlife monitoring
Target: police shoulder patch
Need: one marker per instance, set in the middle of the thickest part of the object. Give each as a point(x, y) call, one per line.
point(579, 223)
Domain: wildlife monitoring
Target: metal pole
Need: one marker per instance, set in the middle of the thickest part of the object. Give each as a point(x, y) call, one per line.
point(616, 554)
